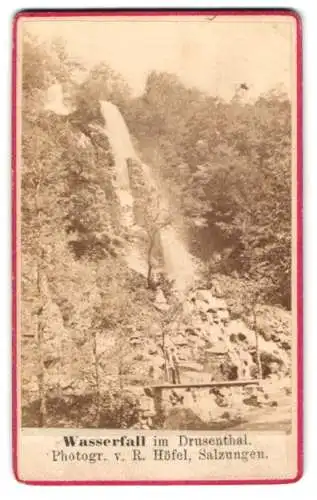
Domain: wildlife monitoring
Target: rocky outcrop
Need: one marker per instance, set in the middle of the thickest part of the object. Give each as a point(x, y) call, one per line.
point(222, 346)
point(210, 346)
point(94, 370)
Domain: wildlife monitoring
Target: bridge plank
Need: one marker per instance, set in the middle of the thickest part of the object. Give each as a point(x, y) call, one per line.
point(222, 383)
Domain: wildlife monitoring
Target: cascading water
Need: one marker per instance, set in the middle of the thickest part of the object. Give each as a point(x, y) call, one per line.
point(178, 263)
point(55, 100)
point(122, 150)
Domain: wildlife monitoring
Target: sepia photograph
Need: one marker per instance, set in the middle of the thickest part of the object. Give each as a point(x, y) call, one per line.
point(156, 226)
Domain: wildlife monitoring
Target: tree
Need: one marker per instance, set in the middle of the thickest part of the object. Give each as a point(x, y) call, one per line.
point(156, 219)
point(251, 300)
point(102, 84)
point(225, 173)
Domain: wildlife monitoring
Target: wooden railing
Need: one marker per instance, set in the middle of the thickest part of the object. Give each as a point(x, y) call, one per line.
point(157, 390)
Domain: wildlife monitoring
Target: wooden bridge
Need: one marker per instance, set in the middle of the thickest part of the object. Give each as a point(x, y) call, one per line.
point(157, 390)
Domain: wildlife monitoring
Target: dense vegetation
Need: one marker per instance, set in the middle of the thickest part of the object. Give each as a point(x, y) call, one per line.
point(228, 166)
point(225, 165)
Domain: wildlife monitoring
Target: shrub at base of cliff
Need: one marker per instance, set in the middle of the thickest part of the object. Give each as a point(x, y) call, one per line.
point(118, 410)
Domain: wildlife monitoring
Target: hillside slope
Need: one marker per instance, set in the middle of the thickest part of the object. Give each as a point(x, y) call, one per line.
point(96, 324)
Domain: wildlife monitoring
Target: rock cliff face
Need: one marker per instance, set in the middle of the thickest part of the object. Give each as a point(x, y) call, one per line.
point(212, 347)
point(95, 334)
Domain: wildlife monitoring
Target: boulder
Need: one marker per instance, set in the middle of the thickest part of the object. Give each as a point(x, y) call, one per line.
point(191, 366)
point(204, 296)
point(50, 353)
point(203, 316)
point(192, 331)
point(180, 340)
point(282, 340)
point(274, 352)
point(188, 308)
point(210, 317)
point(146, 405)
point(252, 401)
point(273, 321)
point(216, 289)
point(160, 301)
point(152, 350)
point(215, 333)
point(135, 340)
point(223, 315)
point(197, 342)
point(237, 331)
point(219, 348)
point(184, 353)
point(214, 305)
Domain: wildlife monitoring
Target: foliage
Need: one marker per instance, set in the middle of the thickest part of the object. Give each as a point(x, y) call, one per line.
point(225, 168)
point(102, 84)
point(228, 168)
point(77, 294)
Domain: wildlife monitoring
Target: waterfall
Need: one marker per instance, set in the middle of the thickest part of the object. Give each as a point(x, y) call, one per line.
point(122, 150)
point(179, 264)
point(54, 100)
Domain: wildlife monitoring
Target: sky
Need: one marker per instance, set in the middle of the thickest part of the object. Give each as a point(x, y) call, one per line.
point(215, 56)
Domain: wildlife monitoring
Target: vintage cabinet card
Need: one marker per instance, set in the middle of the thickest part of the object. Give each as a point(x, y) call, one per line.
point(157, 247)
